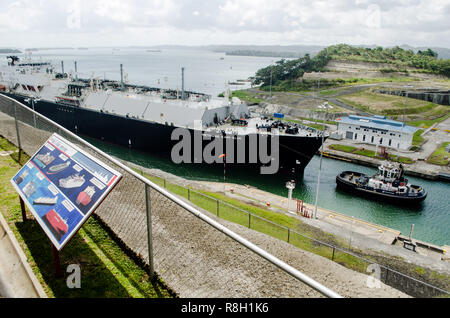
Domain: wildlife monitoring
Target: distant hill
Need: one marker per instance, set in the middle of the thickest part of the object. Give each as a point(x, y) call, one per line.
point(284, 72)
point(425, 60)
point(9, 51)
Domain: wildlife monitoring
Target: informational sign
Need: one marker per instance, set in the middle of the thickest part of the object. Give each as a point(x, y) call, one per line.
point(62, 186)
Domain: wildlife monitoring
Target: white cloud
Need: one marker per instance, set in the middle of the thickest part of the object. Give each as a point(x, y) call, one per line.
point(26, 23)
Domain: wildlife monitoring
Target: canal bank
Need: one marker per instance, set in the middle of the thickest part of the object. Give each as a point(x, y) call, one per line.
point(418, 169)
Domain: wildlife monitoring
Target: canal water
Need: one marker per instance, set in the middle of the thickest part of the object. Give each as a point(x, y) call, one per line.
point(431, 218)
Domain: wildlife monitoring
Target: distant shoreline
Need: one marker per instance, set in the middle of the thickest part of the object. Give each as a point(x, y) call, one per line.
point(7, 51)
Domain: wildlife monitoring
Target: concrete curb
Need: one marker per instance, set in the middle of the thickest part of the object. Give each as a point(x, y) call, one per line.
point(17, 279)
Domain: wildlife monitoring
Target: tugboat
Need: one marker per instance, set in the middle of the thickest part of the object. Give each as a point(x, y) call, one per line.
point(387, 185)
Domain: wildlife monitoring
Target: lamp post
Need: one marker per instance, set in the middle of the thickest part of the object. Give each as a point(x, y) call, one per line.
point(320, 164)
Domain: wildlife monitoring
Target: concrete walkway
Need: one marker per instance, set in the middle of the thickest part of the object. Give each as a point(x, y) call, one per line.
point(17, 280)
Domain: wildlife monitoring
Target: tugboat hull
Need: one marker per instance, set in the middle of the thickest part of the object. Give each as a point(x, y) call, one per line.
point(343, 183)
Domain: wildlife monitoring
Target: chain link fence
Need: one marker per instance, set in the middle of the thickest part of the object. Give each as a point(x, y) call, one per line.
point(192, 254)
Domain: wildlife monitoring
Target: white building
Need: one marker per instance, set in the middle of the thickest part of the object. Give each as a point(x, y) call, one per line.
point(377, 130)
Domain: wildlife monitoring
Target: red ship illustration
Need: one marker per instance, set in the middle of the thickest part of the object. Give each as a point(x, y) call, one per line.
point(56, 224)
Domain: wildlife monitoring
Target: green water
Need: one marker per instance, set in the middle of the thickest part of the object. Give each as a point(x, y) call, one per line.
point(431, 219)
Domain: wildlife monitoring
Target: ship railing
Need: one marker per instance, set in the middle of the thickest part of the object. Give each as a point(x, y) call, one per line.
point(194, 254)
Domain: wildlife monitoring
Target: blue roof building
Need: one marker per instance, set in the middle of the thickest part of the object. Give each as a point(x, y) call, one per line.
point(377, 130)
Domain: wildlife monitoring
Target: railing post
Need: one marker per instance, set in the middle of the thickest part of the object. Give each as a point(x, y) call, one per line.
point(149, 231)
point(217, 207)
point(289, 234)
point(189, 194)
point(249, 220)
point(24, 212)
point(332, 256)
point(164, 183)
point(17, 131)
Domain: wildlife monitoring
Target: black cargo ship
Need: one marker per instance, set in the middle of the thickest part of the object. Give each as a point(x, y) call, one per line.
point(144, 118)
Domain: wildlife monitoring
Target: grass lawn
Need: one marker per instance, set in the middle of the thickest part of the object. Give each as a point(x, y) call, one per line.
point(418, 112)
point(343, 148)
point(440, 156)
point(369, 153)
point(106, 270)
point(417, 138)
point(366, 152)
point(430, 122)
point(246, 97)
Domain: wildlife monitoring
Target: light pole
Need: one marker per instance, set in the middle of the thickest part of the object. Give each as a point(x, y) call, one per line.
point(320, 164)
point(351, 234)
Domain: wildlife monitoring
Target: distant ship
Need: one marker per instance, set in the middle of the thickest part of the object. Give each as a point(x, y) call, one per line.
point(387, 185)
point(144, 118)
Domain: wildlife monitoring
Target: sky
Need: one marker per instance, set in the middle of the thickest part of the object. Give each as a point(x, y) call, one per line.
point(94, 23)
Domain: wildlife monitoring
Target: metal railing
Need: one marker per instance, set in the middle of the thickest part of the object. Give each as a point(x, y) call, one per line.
point(194, 255)
point(394, 278)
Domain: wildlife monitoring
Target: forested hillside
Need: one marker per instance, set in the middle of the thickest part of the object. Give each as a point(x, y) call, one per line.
point(284, 72)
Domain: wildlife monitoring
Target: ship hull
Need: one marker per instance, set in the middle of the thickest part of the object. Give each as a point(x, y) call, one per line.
point(377, 194)
point(295, 152)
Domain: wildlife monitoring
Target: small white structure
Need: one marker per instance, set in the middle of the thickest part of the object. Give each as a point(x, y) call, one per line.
point(290, 185)
point(377, 130)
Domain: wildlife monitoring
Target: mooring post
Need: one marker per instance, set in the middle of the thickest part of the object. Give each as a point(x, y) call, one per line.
point(57, 262)
point(24, 212)
point(149, 231)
